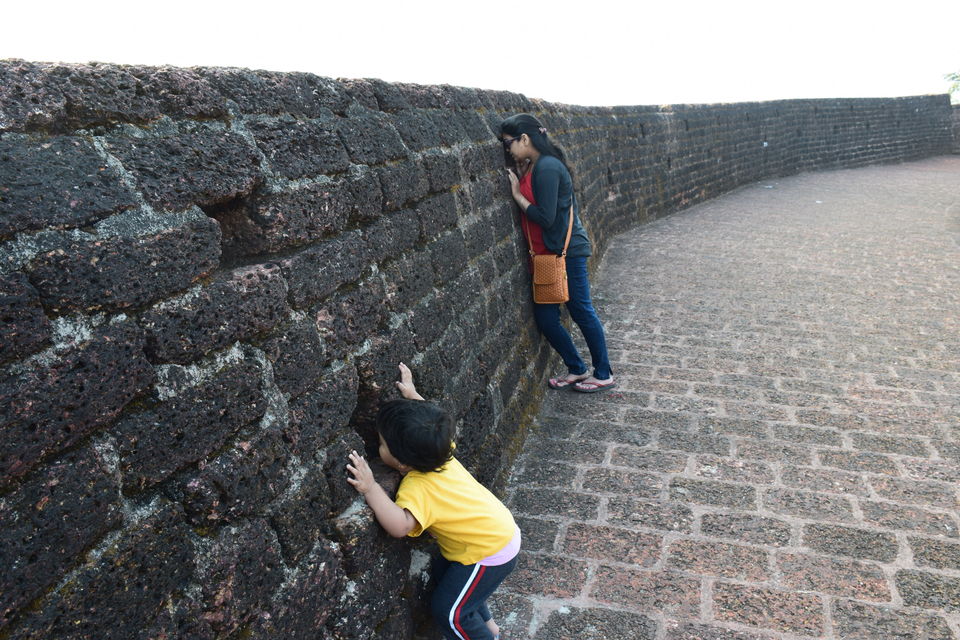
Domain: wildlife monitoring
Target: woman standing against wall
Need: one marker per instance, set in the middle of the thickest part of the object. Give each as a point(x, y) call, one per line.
point(543, 188)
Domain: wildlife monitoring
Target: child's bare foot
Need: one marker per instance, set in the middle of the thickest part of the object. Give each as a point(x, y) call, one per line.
point(494, 629)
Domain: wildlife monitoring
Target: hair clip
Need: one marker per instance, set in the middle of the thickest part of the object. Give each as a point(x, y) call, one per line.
point(543, 130)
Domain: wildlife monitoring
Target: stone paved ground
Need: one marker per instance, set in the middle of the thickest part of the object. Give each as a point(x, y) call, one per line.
point(782, 457)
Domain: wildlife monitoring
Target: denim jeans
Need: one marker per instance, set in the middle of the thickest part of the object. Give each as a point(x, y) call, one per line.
point(581, 310)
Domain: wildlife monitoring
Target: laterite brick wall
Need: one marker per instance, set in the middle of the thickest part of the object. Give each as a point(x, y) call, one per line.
point(207, 277)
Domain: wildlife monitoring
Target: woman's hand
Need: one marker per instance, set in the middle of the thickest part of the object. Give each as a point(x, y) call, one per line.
point(514, 182)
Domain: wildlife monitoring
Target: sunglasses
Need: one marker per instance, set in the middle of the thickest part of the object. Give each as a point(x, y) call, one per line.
point(509, 141)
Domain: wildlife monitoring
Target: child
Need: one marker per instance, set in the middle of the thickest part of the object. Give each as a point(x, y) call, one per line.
point(478, 538)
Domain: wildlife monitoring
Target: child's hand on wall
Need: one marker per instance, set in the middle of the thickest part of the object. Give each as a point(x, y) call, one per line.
point(362, 479)
point(405, 385)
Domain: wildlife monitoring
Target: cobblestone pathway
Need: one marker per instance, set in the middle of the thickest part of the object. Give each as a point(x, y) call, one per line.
point(782, 457)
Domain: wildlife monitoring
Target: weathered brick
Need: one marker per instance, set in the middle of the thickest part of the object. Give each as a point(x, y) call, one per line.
point(721, 494)
point(929, 590)
point(239, 304)
point(769, 609)
point(860, 621)
point(187, 427)
point(23, 326)
point(318, 271)
point(48, 521)
point(834, 576)
point(718, 559)
point(815, 506)
point(241, 574)
point(127, 585)
point(300, 148)
point(663, 592)
point(121, 273)
point(596, 624)
point(631, 512)
point(612, 544)
point(939, 554)
point(848, 541)
point(47, 408)
point(547, 575)
point(203, 168)
point(59, 183)
point(748, 528)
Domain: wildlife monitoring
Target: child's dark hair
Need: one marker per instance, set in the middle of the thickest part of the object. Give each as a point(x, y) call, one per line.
point(522, 123)
point(419, 433)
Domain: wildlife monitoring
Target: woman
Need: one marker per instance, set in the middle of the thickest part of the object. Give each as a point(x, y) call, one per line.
point(543, 188)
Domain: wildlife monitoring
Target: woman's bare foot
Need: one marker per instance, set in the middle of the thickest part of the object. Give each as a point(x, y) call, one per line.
point(592, 385)
point(562, 382)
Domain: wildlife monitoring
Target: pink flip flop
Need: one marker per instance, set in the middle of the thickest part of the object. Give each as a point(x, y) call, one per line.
point(593, 387)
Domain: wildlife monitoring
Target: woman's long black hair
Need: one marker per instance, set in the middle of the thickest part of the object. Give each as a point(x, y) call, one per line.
point(525, 123)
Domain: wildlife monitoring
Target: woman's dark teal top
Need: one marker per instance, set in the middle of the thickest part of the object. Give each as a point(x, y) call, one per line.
point(553, 191)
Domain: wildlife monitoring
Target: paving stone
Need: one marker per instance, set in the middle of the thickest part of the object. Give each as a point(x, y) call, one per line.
point(890, 444)
point(833, 576)
point(631, 512)
point(938, 554)
point(733, 470)
point(859, 621)
point(825, 480)
point(547, 576)
point(692, 442)
point(623, 483)
point(596, 624)
point(721, 494)
point(929, 590)
point(666, 593)
point(734, 426)
point(541, 502)
point(809, 435)
point(774, 451)
point(538, 534)
point(719, 559)
point(746, 528)
point(612, 544)
point(933, 494)
point(652, 460)
point(931, 470)
point(567, 451)
point(546, 473)
point(815, 506)
point(769, 609)
point(681, 631)
point(896, 516)
point(849, 541)
point(874, 463)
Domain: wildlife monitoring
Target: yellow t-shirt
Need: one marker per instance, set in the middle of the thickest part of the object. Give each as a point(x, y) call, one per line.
point(468, 521)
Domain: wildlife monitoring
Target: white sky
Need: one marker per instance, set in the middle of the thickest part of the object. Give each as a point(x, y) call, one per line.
point(589, 52)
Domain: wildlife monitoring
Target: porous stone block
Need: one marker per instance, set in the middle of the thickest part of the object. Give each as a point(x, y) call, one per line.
point(302, 606)
point(239, 482)
point(276, 93)
point(612, 544)
point(298, 356)
point(124, 588)
point(929, 590)
point(300, 517)
point(448, 255)
point(745, 527)
point(323, 410)
point(417, 129)
point(50, 406)
point(240, 573)
point(671, 593)
point(850, 541)
point(300, 148)
point(716, 493)
point(318, 271)
point(348, 317)
point(442, 169)
point(187, 427)
point(121, 273)
point(58, 183)
point(402, 184)
point(392, 234)
point(859, 621)
point(239, 304)
point(362, 540)
point(596, 624)
point(815, 506)
point(784, 611)
point(205, 167)
point(370, 138)
point(834, 576)
point(939, 554)
point(334, 468)
point(180, 93)
point(48, 521)
point(906, 518)
point(24, 328)
point(719, 559)
point(547, 575)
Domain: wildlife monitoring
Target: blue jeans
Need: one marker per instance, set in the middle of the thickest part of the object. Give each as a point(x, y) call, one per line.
point(459, 602)
point(581, 310)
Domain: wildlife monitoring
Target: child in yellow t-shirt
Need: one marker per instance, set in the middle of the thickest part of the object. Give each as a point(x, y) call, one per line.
point(479, 540)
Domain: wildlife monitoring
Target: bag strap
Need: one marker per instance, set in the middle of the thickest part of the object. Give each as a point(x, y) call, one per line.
point(566, 243)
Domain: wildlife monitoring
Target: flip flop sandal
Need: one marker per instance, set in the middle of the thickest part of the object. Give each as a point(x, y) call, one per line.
point(561, 382)
point(593, 387)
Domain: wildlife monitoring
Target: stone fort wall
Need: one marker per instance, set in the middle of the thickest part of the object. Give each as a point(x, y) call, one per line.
point(207, 277)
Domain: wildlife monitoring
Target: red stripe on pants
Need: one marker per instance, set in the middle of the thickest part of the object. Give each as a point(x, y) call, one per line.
point(456, 616)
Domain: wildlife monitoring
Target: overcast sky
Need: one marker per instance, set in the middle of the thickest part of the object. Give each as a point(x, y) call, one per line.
point(590, 52)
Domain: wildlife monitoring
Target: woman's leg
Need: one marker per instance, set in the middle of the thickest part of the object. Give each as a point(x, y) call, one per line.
point(548, 321)
point(581, 310)
point(461, 594)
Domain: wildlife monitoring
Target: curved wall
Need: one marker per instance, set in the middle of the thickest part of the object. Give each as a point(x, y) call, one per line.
point(207, 277)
